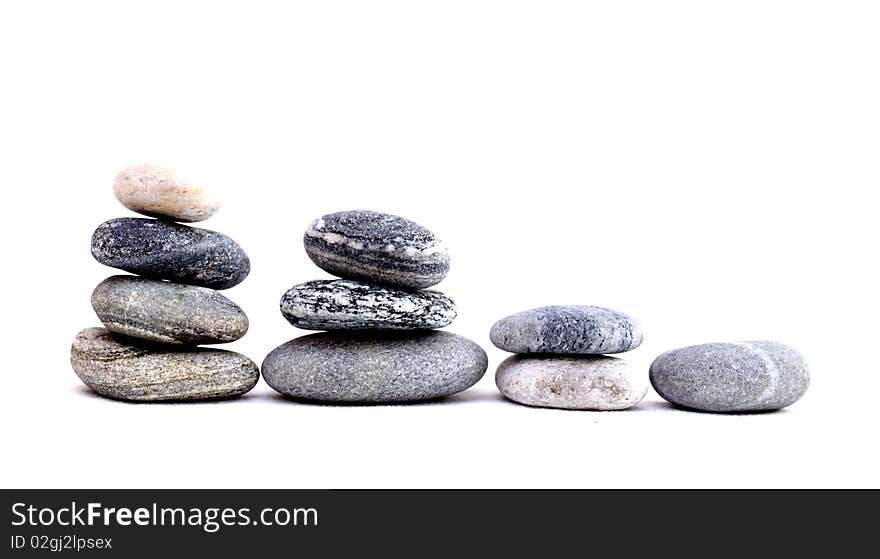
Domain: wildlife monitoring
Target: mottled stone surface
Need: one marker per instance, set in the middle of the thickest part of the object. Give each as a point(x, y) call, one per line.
point(377, 248)
point(158, 192)
point(351, 305)
point(588, 382)
point(568, 329)
point(164, 312)
point(731, 377)
point(113, 367)
point(162, 250)
point(375, 368)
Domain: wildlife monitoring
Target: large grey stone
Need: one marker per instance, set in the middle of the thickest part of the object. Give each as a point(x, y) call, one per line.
point(162, 250)
point(118, 368)
point(583, 382)
point(568, 329)
point(165, 312)
point(351, 305)
point(731, 377)
point(375, 368)
point(376, 247)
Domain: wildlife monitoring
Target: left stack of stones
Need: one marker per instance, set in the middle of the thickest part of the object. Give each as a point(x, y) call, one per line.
point(153, 321)
point(381, 343)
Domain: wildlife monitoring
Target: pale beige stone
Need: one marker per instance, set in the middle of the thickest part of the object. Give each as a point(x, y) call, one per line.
point(158, 192)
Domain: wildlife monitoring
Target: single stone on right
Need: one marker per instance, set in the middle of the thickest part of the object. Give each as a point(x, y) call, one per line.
point(731, 377)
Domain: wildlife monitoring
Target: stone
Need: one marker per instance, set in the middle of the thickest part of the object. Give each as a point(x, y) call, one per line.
point(731, 377)
point(375, 367)
point(351, 305)
point(158, 192)
point(376, 247)
point(568, 329)
point(584, 382)
point(115, 367)
point(170, 251)
point(164, 312)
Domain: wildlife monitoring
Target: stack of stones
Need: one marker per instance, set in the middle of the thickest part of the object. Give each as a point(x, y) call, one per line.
point(380, 343)
point(152, 322)
point(562, 358)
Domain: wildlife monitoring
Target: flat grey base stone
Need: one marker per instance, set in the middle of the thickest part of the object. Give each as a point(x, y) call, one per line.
point(571, 382)
point(164, 312)
point(116, 367)
point(731, 377)
point(375, 368)
point(351, 305)
point(170, 251)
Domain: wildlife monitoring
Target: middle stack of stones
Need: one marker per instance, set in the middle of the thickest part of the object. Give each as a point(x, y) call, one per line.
point(563, 360)
point(379, 341)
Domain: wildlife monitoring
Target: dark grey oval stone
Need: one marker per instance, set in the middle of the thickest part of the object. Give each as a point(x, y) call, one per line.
point(113, 367)
point(162, 250)
point(375, 368)
point(172, 313)
point(351, 305)
point(377, 248)
point(731, 377)
point(568, 329)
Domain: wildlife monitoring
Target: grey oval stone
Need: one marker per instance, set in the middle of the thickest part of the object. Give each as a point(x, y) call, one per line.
point(588, 382)
point(112, 367)
point(731, 377)
point(375, 368)
point(163, 250)
point(351, 305)
point(164, 312)
point(377, 248)
point(568, 329)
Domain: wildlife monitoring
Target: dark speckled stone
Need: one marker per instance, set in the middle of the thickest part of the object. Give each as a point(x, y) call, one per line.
point(376, 247)
point(351, 305)
point(375, 368)
point(567, 329)
point(731, 377)
point(161, 250)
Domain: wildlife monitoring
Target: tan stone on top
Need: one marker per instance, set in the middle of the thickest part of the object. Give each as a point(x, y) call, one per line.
point(158, 192)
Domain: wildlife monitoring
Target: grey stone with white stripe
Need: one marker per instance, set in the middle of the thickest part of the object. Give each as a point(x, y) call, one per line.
point(731, 377)
point(376, 247)
point(567, 329)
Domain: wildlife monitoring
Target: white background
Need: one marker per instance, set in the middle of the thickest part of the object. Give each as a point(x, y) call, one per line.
point(708, 167)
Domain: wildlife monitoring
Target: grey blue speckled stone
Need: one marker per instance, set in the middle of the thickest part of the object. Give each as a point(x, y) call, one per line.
point(731, 377)
point(377, 248)
point(113, 367)
point(375, 368)
point(568, 329)
point(351, 305)
point(164, 312)
point(582, 382)
point(162, 250)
